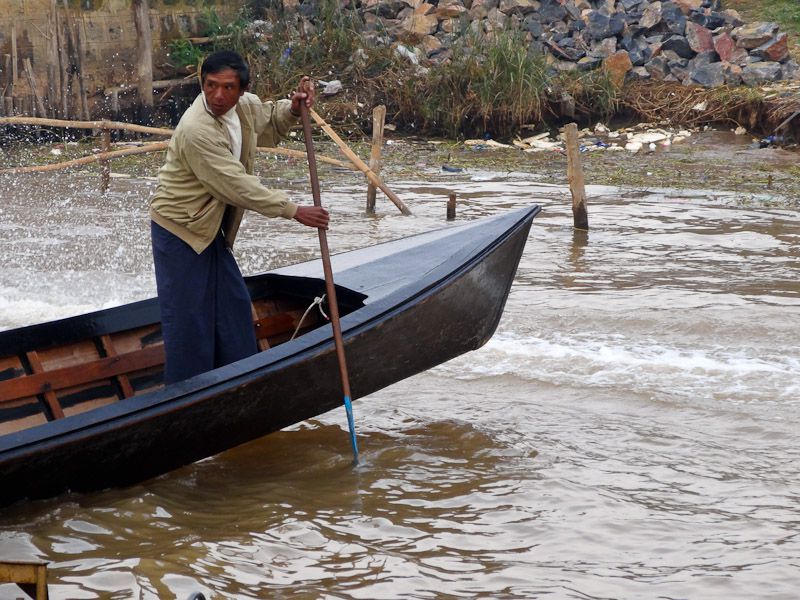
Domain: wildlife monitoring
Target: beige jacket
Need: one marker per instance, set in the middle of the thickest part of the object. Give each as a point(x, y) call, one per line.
point(201, 183)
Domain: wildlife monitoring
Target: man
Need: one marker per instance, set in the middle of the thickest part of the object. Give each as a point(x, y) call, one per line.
point(203, 188)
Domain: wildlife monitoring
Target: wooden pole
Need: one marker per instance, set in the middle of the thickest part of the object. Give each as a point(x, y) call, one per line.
point(13, 72)
point(53, 69)
point(62, 40)
point(451, 206)
point(378, 121)
point(575, 177)
point(115, 104)
point(86, 125)
point(14, 58)
point(6, 74)
point(72, 55)
point(298, 154)
point(362, 166)
point(105, 166)
point(86, 160)
point(144, 59)
point(35, 88)
point(80, 37)
point(330, 289)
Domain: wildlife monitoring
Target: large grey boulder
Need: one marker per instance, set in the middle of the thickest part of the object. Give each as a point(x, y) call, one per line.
point(679, 45)
point(762, 72)
point(600, 25)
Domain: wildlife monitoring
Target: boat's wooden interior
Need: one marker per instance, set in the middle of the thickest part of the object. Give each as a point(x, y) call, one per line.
point(43, 384)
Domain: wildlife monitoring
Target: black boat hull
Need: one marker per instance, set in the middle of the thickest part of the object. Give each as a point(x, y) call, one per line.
point(385, 343)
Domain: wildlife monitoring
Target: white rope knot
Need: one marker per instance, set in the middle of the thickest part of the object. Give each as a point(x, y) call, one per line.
point(318, 300)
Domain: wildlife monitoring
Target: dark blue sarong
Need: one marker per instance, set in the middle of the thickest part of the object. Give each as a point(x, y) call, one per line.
point(206, 315)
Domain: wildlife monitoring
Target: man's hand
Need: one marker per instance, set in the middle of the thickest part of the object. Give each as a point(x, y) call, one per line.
point(312, 216)
point(304, 93)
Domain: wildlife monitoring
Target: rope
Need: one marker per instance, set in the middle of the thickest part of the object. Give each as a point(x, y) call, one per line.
point(317, 302)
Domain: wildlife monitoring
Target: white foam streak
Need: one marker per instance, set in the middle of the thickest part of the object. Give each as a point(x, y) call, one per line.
point(646, 366)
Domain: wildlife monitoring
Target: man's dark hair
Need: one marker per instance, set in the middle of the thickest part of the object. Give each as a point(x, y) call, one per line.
point(226, 59)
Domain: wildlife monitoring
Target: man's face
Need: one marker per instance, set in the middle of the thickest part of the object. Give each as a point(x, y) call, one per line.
point(222, 91)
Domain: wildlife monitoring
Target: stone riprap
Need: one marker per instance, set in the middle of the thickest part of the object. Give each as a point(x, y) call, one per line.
point(687, 41)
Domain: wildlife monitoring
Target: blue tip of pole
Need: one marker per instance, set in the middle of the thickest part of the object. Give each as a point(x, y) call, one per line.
point(348, 406)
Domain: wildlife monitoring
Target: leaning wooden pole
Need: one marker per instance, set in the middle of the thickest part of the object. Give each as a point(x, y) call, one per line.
point(330, 289)
point(575, 177)
point(362, 166)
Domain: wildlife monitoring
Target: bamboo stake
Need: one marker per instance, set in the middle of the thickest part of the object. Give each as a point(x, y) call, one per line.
point(144, 59)
point(105, 167)
point(14, 73)
point(451, 206)
point(80, 34)
point(378, 121)
point(85, 160)
point(575, 178)
point(63, 61)
point(7, 71)
point(359, 163)
point(34, 87)
point(53, 70)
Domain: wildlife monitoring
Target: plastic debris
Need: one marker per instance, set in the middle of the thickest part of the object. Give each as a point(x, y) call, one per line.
point(332, 88)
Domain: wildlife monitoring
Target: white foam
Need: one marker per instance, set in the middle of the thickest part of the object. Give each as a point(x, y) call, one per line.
point(647, 366)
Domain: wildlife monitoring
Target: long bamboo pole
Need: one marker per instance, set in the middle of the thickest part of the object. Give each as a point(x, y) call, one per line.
point(299, 154)
point(362, 166)
point(330, 289)
point(85, 125)
point(85, 160)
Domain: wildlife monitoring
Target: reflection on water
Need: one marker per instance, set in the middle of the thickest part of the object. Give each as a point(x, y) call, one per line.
point(629, 432)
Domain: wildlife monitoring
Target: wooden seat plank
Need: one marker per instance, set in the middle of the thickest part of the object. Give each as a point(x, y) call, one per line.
point(66, 377)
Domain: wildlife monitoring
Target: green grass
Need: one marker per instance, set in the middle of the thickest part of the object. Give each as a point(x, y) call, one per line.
point(784, 12)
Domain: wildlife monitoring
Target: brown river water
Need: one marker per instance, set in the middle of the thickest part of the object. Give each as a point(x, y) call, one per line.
point(631, 430)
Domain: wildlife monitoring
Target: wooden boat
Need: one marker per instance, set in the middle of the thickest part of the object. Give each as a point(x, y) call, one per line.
point(82, 405)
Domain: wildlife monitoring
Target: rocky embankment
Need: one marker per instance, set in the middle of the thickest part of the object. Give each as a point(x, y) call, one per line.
point(694, 42)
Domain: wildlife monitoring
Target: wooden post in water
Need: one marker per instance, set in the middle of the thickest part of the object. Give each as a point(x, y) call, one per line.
point(575, 178)
point(105, 166)
point(451, 207)
point(378, 121)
